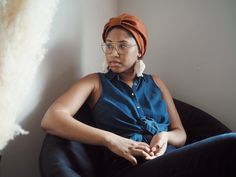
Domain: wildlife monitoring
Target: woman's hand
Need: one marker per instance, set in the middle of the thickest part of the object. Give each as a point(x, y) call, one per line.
point(127, 148)
point(158, 144)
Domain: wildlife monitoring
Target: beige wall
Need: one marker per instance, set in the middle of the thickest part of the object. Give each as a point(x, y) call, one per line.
point(192, 46)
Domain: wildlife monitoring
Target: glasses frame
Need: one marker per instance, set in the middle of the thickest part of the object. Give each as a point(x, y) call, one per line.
point(115, 46)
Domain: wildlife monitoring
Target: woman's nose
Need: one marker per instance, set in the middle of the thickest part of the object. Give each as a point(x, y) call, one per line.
point(115, 52)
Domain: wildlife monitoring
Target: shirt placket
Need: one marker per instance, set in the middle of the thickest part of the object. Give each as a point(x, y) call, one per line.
point(141, 117)
point(135, 100)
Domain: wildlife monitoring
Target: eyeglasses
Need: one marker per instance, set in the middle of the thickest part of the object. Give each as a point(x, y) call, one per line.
point(121, 48)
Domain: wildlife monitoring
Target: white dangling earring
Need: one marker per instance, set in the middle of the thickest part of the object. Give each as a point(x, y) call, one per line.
point(105, 66)
point(139, 68)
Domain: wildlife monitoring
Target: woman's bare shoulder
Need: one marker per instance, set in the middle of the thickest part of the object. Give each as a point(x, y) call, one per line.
point(87, 80)
point(77, 94)
point(82, 88)
point(157, 79)
point(159, 83)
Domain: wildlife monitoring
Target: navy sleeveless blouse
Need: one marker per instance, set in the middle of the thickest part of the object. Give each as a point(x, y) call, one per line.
point(137, 113)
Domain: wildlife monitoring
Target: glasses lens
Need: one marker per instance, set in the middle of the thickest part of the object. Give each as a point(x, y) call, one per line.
point(107, 48)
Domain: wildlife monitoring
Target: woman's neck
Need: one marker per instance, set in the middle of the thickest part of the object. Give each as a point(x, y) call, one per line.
point(128, 77)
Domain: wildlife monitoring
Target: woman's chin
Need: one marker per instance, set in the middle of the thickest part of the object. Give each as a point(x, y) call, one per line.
point(116, 69)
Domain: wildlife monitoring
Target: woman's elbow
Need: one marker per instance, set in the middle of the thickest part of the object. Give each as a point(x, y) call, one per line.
point(184, 138)
point(43, 124)
point(46, 122)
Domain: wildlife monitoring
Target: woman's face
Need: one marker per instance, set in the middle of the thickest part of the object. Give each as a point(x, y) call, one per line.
point(124, 51)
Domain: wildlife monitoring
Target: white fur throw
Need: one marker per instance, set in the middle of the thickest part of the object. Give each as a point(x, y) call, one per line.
point(24, 29)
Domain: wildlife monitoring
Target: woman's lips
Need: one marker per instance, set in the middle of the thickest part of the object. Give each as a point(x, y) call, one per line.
point(114, 64)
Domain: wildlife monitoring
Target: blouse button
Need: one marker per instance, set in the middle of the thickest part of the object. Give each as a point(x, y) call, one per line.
point(132, 94)
point(138, 107)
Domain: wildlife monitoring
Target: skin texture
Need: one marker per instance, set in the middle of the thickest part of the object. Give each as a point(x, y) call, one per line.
point(58, 119)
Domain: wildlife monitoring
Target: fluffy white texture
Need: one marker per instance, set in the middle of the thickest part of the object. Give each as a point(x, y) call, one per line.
point(24, 29)
point(139, 68)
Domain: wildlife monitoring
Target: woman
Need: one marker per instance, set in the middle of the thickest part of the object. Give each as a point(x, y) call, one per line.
point(136, 119)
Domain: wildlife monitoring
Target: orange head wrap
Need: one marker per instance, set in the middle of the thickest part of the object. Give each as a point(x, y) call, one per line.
point(132, 24)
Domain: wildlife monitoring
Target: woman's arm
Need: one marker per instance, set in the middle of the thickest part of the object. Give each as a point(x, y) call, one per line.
point(176, 135)
point(59, 121)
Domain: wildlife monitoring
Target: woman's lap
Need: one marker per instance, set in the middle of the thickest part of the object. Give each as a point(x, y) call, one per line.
point(215, 156)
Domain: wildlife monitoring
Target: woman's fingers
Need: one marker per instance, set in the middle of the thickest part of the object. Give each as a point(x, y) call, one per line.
point(159, 143)
point(158, 151)
point(138, 149)
point(156, 148)
point(143, 146)
point(130, 149)
point(161, 150)
point(132, 159)
point(140, 152)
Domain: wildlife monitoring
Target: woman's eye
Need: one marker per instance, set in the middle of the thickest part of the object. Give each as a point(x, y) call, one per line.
point(122, 46)
point(109, 46)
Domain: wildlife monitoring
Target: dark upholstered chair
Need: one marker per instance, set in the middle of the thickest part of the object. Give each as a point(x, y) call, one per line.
point(63, 158)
